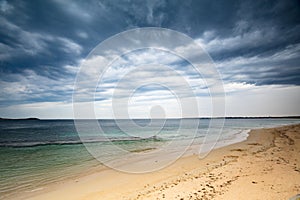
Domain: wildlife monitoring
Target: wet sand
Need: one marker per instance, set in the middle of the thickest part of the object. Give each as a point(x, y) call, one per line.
point(265, 166)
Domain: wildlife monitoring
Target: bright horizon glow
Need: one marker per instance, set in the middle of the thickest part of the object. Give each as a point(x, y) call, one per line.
point(63, 110)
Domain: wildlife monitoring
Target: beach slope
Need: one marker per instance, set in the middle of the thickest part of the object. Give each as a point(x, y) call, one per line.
point(265, 166)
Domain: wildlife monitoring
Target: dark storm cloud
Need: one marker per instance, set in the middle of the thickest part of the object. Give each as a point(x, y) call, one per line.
point(262, 30)
point(45, 33)
point(276, 23)
point(45, 37)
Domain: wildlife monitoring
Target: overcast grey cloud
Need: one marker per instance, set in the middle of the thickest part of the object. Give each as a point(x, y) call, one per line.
point(42, 43)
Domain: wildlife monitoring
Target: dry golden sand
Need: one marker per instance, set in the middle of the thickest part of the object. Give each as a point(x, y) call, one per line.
point(265, 166)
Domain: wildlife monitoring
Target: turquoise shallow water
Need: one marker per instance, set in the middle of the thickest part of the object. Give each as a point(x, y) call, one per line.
point(36, 153)
point(29, 168)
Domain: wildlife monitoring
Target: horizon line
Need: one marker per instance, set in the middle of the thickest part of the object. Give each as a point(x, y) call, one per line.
point(219, 117)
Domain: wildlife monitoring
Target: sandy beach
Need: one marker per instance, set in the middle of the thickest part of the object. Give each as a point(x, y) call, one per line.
point(265, 166)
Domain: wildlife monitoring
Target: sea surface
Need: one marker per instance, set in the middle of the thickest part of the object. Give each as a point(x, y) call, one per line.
point(36, 153)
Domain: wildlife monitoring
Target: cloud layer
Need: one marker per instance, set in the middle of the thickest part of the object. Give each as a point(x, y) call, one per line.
point(42, 44)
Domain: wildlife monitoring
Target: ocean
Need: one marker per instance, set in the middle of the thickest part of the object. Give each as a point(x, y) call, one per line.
point(36, 153)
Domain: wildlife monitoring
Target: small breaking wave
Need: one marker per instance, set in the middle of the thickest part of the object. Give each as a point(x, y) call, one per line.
point(74, 142)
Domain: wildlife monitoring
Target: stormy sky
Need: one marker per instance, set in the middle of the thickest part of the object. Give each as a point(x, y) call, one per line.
point(255, 46)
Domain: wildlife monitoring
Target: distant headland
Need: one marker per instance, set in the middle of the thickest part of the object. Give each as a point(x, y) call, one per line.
point(31, 119)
